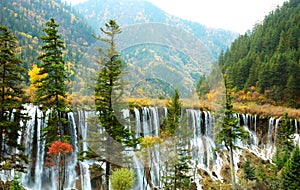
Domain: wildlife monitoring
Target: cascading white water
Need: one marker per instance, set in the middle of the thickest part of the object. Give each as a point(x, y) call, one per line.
point(202, 142)
point(71, 165)
point(33, 134)
point(84, 165)
point(297, 135)
point(39, 176)
point(147, 122)
point(270, 147)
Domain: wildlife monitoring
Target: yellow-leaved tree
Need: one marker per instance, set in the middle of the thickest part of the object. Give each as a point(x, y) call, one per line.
point(33, 77)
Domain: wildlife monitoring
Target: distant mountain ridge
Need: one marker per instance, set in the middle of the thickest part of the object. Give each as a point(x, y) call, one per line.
point(197, 46)
point(159, 48)
point(131, 12)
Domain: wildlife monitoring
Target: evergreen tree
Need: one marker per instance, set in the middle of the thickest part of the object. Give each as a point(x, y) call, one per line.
point(284, 142)
point(202, 86)
point(51, 89)
point(249, 172)
point(108, 94)
point(291, 171)
point(260, 175)
point(230, 131)
point(268, 57)
point(172, 121)
point(11, 104)
point(177, 134)
point(108, 86)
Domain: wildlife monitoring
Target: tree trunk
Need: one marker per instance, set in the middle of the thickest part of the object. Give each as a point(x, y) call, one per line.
point(63, 177)
point(232, 167)
point(147, 173)
point(107, 171)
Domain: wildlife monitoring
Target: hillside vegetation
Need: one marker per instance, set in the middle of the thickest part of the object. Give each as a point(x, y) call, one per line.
point(133, 12)
point(264, 65)
point(25, 18)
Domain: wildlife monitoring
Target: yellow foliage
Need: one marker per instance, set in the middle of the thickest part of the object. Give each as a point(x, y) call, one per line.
point(34, 74)
point(150, 141)
point(33, 78)
point(139, 102)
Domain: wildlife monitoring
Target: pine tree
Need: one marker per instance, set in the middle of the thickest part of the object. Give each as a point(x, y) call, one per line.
point(108, 86)
point(230, 130)
point(291, 171)
point(51, 89)
point(177, 134)
point(249, 172)
point(284, 142)
point(108, 94)
point(11, 104)
point(172, 121)
point(260, 175)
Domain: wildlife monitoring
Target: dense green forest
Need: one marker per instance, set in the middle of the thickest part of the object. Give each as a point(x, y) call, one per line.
point(267, 59)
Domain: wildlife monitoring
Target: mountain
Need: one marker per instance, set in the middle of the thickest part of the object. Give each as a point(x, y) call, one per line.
point(27, 18)
point(161, 51)
point(267, 59)
point(132, 12)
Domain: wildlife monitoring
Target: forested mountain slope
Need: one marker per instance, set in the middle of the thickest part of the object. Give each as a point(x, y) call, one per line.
point(26, 19)
point(132, 12)
point(160, 50)
point(267, 59)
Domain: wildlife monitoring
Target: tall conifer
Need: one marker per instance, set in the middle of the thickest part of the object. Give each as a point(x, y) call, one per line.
point(11, 104)
point(291, 171)
point(51, 90)
point(230, 131)
point(108, 93)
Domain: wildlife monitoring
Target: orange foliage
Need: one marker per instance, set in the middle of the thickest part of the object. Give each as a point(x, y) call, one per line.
point(57, 149)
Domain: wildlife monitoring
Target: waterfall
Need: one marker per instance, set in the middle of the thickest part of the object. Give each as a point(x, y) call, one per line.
point(147, 161)
point(72, 160)
point(270, 147)
point(297, 135)
point(35, 149)
point(84, 166)
point(39, 176)
point(202, 143)
point(149, 165)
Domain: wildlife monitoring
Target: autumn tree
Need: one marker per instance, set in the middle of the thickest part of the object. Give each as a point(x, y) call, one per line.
point(51, 91)
point(230, 131)
point(11, 104)
point(57, 157)
point(33, 78)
